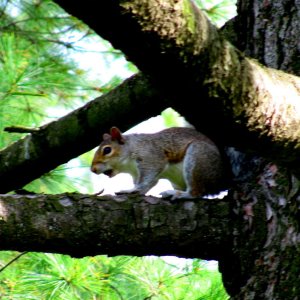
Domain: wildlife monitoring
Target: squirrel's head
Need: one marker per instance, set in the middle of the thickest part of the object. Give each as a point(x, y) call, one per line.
point(108, 155)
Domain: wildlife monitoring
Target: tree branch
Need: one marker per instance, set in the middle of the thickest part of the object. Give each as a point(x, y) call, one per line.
point(81, 225)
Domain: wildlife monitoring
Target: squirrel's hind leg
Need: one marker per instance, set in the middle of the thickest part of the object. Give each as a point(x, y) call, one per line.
point(203, 173)
point(196, 166)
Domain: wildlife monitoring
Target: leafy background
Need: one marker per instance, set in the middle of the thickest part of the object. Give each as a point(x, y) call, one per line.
point(47, 69)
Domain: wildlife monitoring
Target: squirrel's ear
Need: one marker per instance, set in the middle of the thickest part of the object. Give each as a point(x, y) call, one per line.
point(116, 135)
point(106, 137)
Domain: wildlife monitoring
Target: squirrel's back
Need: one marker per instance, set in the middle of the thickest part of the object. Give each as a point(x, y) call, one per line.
point(172, 142)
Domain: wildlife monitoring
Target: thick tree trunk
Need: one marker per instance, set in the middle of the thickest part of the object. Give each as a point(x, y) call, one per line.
point(268, 31)
point(266, 237)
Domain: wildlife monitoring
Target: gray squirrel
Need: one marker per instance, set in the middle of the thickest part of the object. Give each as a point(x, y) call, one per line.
point(187, 158)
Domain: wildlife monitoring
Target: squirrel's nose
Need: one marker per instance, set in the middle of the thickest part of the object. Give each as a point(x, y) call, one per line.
point(94, 169)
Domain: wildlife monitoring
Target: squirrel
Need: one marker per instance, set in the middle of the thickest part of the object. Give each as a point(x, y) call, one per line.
point(187, 158)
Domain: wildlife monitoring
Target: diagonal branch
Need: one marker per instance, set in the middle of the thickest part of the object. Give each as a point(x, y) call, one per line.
point(81, 225)
point(78, 132)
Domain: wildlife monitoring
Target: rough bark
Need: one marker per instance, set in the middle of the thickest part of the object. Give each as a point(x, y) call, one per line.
point(265, 252)
point(81, 225)
point(269, 31)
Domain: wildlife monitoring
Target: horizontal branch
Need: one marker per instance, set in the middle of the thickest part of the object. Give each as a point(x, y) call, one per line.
point(78, 132)
point(81, 225)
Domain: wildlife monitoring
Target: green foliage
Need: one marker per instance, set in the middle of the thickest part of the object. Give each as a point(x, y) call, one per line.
point(32, 77)
point(218, 11)
point(59, 277)
point(172, 118)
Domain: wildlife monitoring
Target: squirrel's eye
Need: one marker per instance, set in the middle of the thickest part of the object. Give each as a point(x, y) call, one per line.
point(106, 150)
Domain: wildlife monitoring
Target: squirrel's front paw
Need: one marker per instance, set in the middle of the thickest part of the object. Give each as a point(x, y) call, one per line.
point(170, 194)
